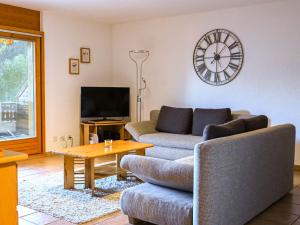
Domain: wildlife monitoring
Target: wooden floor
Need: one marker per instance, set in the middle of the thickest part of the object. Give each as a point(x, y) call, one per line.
point(40, 165)
point(285, 212)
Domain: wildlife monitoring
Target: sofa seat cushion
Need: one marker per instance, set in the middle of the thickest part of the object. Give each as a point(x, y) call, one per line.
point(168, 153)
point(158, 205)
point(186, 160)
point(171, 140)
point(177, 175)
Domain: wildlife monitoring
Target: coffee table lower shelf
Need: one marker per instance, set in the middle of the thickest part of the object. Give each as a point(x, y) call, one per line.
point(86, 155)
point(91, 172)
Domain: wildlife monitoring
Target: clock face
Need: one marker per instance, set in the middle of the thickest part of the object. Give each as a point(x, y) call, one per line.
point(218, 57)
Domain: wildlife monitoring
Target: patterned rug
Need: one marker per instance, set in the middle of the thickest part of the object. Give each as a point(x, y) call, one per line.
point(46, 194)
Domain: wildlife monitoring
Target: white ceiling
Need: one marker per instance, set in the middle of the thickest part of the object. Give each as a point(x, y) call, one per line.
point(116, 11)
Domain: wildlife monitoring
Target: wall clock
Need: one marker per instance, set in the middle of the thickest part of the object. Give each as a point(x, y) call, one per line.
point(218, 57)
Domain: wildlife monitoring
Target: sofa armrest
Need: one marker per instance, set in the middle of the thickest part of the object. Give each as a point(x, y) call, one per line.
point(172, 174)
point(136, 129)
point(237, 177)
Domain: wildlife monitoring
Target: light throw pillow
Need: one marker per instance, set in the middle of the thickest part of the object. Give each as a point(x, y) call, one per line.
point(172, 174)
point(175, 120)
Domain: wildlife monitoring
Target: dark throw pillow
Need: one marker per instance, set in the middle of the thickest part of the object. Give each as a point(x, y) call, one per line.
point(256, 122)
point(203, 117)
point(175, 120)
point(227, 129)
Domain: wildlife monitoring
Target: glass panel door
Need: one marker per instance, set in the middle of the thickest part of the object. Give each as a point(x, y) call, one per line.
point(21, 89)
point(17, 89)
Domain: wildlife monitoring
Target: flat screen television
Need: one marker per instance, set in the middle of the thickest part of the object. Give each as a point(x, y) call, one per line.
point(104, 102)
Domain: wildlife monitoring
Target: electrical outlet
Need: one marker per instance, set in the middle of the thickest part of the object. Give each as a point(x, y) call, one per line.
point(70, 140)
point(62, 141)
point(62, 138)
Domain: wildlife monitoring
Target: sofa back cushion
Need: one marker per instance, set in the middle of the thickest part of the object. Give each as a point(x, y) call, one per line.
point(203, 117)
point(256, 122)
point(235, 127)
point(175, 120)
point(227, 129)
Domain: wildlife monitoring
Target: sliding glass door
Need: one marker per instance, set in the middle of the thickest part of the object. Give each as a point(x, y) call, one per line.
point(20, 90)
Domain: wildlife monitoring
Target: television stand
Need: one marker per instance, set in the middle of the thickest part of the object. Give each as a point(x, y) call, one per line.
point(92, 127)
point(103, 120)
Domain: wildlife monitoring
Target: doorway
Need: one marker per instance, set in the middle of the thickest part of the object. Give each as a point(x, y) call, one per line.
point(20, 93)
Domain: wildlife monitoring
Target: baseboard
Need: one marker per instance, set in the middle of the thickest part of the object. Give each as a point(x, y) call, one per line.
point(297, 167)
point(48, 154)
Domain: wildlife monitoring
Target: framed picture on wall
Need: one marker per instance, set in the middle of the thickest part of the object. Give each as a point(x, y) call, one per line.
point(85, 55)
point(74, 66)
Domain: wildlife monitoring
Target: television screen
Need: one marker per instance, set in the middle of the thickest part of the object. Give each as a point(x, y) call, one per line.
point(104, 102)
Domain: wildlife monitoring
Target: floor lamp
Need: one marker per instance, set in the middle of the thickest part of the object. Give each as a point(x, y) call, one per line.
point(139, 57)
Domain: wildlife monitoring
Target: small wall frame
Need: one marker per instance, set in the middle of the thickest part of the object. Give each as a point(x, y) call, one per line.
point(85, 55)
point(74, 66)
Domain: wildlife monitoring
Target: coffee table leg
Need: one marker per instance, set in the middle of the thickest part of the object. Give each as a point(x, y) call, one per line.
point(121, 174)
point(141, 152)
point(68, 172)
point(90, 174)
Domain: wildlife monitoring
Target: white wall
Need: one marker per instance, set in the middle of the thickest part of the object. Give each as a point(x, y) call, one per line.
point(268, 83)
point(63, 38)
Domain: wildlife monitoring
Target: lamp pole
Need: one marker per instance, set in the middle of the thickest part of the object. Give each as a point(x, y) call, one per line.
point(139, 57)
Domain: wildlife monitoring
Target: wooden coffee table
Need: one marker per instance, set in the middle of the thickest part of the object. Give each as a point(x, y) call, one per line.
point(90, 152)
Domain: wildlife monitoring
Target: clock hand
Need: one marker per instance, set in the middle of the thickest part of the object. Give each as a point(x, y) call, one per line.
point(222, 49)
point(226, 56)
point(212, 57)
point(215, 53)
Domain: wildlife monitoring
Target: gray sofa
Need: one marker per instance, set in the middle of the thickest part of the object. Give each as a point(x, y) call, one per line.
point(232, 180)
point(167, 145)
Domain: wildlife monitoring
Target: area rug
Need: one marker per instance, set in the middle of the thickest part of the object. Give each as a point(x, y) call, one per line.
point(46, 194)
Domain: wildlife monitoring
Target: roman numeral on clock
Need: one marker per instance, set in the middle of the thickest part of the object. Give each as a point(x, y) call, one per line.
point(200, 48)
point(233, 66)
point(236, 56)
point(226, 75)
point(201, 68)
point(199, 58)
point(208, 40)
point(233, 45)
point(207, 75)
point(217, 36)
point(226, 38)
point(217, 77)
